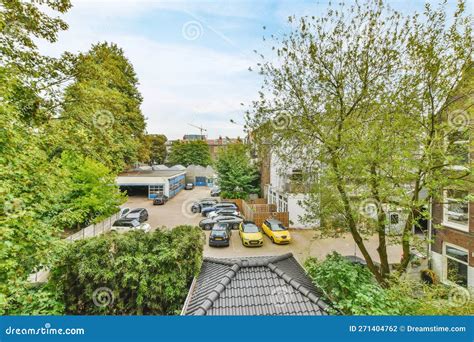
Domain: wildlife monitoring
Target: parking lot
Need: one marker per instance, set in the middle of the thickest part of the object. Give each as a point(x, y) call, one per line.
point(177, 212)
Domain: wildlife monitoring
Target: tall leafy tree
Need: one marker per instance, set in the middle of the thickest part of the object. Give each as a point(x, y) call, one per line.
point(189, 153)
point(155, 148)
point(361, 92)
point(237, 176)
point(101, 115)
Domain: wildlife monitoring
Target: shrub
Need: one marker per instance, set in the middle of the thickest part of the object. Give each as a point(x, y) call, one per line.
point(129, 274)
point(353, 290)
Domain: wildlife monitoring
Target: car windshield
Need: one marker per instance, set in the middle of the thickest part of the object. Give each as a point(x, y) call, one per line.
point(220, 226)
point(250, 228)
point(221, 233)
point(126, 223)
point(277, 227)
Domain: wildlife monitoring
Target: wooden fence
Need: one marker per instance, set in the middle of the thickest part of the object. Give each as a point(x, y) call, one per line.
point(258, 210)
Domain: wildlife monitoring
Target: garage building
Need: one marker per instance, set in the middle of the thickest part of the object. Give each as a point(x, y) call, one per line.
point(152, 182)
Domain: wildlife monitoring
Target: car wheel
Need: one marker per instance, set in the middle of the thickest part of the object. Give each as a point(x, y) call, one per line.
point(207, 227)
point(271, 238)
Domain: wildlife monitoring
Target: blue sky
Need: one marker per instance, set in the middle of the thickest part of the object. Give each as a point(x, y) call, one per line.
point(191, 57)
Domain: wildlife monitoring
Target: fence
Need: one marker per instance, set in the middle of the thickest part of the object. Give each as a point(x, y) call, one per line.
point(94, 229)
point(90, 231)
point(258, 211)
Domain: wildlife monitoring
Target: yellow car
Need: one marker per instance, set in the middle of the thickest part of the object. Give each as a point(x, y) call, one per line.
point(250, 234)
point(276, 231)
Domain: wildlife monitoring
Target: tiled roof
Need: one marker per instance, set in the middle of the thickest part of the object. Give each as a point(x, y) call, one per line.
point(253, 286)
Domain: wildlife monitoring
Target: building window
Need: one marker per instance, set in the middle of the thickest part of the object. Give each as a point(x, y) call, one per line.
point(456, 209)
point(394, 219)
point(156, 190)
point(456, 264)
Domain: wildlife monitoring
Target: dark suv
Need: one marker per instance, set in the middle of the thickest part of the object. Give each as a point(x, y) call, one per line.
point(160, 199)
point(220, 235)
point(140, 214)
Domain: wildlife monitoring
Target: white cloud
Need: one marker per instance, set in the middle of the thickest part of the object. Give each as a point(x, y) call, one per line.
point(182, 82)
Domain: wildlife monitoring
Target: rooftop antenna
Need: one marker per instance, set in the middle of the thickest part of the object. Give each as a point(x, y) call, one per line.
point(201, 129)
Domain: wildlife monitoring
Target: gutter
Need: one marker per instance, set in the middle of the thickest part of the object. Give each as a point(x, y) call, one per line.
point(188, 297)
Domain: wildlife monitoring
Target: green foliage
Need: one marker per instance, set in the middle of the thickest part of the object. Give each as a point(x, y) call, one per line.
point(187, 153)
point(358, 99)
point(155, 148)
point(237, 177)
point(101, 115)
point(148, 273)
point(353, 290)
point(27, 299)
point(92, 196)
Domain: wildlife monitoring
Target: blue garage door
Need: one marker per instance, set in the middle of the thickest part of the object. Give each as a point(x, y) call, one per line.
point(201, 181)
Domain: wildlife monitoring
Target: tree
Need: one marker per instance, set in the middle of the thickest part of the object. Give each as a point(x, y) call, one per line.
point(361, 93)
point(135, 273)
point(101, 115)
point(237, 177)
point(92, 193)
point(156, 148)
point(189, 153)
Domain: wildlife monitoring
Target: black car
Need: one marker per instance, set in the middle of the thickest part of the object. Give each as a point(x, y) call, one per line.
point(232, 221)
point(198, 206)
point(189, 186)
point(140, 214)
point(215, 192)
point(160, 199)
point(220, 235)
point(222, 205)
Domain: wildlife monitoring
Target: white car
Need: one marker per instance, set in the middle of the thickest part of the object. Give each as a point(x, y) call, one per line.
point(124, 225)
point(224, 212)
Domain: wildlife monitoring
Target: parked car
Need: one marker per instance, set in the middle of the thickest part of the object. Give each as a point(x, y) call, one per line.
point(276, 231)
point(125, 225)
point(140, 214)
point(233, 222)
point(250, 234)
point(222, 205)
point(215, 192)
point(220, 235)
point(189, 186)
point(224, 212)
point(124, 211)
point(199, 205)
point(160, 199)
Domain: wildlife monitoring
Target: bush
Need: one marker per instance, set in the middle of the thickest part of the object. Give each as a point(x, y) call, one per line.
point(32, 299)
point(353, 290)
point(129, 274)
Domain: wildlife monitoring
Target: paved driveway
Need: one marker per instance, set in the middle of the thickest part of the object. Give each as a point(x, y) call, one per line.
point(177, 212)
